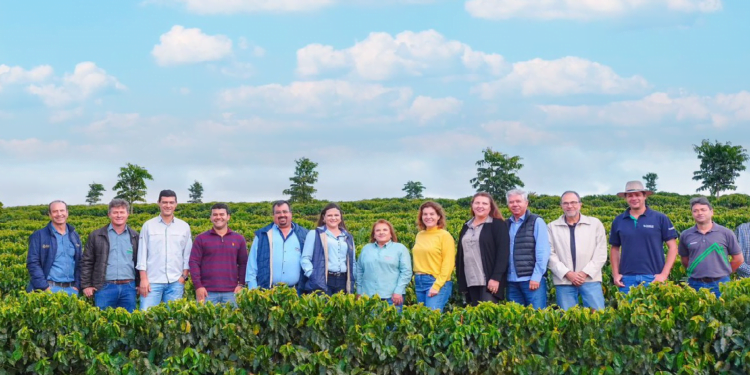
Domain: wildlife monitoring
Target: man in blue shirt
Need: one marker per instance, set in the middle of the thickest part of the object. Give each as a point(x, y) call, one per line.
point(276, 251)
point(529, 253)
point(637, 237)
point(54, 254)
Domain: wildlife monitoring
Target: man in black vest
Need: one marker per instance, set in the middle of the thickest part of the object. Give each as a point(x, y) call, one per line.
point(529, 253)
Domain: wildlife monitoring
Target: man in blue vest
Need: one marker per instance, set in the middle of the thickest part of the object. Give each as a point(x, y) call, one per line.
point(276, 251)
point(54, 257)
point(637, 238)
point(529, 253)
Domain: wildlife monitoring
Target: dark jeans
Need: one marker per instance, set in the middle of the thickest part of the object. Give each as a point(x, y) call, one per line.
point(116, 295)
point(336, 284)
point(519, 292)
point(478, 294)
point(712, 286)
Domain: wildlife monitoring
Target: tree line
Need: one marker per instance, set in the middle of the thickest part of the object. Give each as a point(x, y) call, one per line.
point(497, 173)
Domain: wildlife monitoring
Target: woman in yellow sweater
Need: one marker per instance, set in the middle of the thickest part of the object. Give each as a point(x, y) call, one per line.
point(434, 257)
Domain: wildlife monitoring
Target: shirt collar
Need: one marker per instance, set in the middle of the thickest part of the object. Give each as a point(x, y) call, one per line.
point(520, 219)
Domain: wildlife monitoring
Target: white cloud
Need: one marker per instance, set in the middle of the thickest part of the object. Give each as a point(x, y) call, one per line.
point(583, 9)
point(324, 98)
point(717, 111)
point(86, 80)
point(425, 109)
point(568, 75)
point(381, 56)
point(19, 75)
point(32, 148)
point(65, 115)
point(273, 6)
point(185, 46)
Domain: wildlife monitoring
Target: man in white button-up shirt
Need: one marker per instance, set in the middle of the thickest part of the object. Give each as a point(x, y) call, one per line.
point(163, 254)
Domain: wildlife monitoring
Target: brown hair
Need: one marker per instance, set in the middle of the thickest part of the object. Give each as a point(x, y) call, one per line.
point(435, 206)
point(321, 219)
point(494, 211)
point(390, 228)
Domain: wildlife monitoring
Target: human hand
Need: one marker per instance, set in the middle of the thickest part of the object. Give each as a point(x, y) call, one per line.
point(433, 292)
point(493, 286)
point(533, 285)
point(201, 294)
point(397, 299)
point(89, 292)
point(145, 287)
point(618, 280)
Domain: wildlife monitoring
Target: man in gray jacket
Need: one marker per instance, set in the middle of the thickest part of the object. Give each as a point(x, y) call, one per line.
point(108, 264)
point(579, 251)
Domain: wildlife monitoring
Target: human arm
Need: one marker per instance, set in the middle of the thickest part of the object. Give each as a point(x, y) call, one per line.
point(542, 251)
point(734, 250)
point(685, 261)
point(251, 274)
point(242, 259)
point(34, 263)
point(595, 265)
point(88, 258)
point(360, 269)
point(614, 262)
point(194, 263)
point(669, 262)
point(743, 238)
point(404, 276)
point(307, 253)
point(448, 262)
point(186, 254)
point(141, 264)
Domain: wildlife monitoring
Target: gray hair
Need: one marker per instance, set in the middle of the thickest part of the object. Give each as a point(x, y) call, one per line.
point(570, 192)
point(117, 202)
point(701, 200)
point(523, 193)
point(49, 208)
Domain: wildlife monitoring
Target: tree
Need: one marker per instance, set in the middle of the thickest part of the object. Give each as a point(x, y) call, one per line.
point(496, 174)
point(650, 179)
point(720, 166)
point(196, 192)
point(131, 185)
point(413, 190)
point(301, 189)
point(95, 193)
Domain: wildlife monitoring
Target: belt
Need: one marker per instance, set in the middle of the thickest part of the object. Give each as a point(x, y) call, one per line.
point(707, 279)
point(336, 274)
point(62, 285)
point(119, 281)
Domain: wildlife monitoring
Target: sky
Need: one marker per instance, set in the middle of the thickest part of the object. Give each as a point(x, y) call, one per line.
point(589, 93)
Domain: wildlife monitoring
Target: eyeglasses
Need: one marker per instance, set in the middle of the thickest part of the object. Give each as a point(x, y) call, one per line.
point(570, 204)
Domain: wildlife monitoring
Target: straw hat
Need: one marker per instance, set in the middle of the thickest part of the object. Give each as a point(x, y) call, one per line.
point(634, 187)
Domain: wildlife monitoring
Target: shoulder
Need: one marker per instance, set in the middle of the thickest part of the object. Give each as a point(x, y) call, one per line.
point(369, 246)
point(182, 223)
point(590, 219)
point(744, 227)
point(264, 230)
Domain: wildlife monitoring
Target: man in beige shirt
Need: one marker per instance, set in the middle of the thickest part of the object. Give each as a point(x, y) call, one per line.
point(579, 251)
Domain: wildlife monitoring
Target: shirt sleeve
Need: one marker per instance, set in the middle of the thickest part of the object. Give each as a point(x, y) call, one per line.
point(542, 249)
point(143, 249)
point(360, 270)
point(614, 234)
point(682, 248)
point(667, 229)
point(196, 257)
point(743, 238)
point(600, 252)
point(448, 253)
point(307, 253)
point(242, 262)
point(251, 275)
point(186, 250)
point(555, 264)
point(404, 271)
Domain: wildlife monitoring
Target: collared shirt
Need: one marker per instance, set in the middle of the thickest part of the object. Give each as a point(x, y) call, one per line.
point(720, 240)
point(472, 254)
point(337, 250)
point(743, 236)
point(641, 241)
point(63, 267)
point(286, 253)
point(542, 249)
point(120, 260)
point(164, 250)
point(383, 270)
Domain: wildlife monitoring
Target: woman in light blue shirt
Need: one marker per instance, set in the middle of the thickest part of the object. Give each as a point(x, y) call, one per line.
point(328, 255)
point(384, 266)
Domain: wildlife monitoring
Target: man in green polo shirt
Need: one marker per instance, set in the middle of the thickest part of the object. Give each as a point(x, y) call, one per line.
point(705, 249)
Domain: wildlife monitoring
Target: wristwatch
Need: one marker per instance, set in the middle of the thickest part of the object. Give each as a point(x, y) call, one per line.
point(186, 278)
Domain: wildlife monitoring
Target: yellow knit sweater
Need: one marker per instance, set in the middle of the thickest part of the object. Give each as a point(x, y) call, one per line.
point(435, 254)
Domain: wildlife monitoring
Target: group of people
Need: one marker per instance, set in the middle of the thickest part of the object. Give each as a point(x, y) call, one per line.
point(495, 258)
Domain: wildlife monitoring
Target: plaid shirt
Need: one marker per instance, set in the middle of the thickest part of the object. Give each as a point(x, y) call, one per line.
point(743, 236)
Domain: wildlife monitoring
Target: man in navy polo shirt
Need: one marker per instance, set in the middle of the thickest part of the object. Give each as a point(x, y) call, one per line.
point(705, 248)
point(637, 238)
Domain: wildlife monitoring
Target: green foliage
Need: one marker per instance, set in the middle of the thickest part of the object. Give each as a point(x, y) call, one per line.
point(305, 176)
point(196, 192)
point(413, 190)
point(95, 193)
point(496, 174)
point(721, 164)
point(131, 185)
point(650, 179)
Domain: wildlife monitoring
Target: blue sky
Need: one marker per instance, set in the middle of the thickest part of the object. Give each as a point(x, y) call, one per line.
point(590, 94)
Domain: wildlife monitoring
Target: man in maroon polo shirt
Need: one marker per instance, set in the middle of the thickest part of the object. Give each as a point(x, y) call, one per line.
point(218, 260)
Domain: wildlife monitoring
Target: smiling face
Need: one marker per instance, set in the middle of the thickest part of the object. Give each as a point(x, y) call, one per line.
point(219, 218)
point(332, 218)
point(382, 233)
point(481, 207)
point(282, 216)
point(702, 213)
point(430, 217)
point(167, 205)
point(58, 213)
point(636, 200)
point(517, 205)
point(571, 205)
point(118, 216)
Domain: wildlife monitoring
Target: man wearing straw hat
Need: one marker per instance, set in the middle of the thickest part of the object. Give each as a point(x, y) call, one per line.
point(637, 238)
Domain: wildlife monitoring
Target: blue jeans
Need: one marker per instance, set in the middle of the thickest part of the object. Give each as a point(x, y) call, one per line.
point(591, 293)
point(422, 285)
point(221, 297)
point(519, 292)
point(712, 286)
point(634, 281)
point(399, 308)
point(162, 292)
point(57, 289)
point(116, 295)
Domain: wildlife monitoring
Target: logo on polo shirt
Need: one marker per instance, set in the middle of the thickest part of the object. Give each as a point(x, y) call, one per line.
point(648, 226)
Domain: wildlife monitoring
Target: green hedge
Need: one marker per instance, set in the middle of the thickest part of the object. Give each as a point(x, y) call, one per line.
point(665, 329)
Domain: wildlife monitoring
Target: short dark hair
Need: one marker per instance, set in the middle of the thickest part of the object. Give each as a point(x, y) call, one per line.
point(49, 207)
point(117, 202)
point(221, 206)
point(280, 203)
point(701, 200)
point(167, 193)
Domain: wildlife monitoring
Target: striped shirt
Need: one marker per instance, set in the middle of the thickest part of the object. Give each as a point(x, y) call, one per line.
point(743, 236)
point(218, 263)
